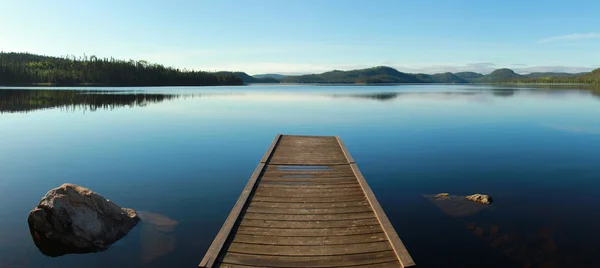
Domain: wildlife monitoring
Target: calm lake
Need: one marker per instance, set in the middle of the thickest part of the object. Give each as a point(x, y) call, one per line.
point(183, 155)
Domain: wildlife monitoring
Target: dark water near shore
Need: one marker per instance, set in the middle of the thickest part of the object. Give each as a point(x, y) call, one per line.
point(186, 154)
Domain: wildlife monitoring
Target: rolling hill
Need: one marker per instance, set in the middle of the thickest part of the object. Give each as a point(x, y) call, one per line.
point(469, 76)
point(375, 75)
point(446, 78)
point(500, 75)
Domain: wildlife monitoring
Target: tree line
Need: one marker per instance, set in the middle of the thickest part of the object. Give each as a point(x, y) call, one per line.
point(18, 69)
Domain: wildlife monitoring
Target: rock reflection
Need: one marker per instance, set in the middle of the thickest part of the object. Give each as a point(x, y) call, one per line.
point(456, 206)
point(156, 237)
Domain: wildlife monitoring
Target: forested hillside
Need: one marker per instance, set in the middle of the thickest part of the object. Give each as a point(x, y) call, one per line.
point(380, 74)
point(30, 69)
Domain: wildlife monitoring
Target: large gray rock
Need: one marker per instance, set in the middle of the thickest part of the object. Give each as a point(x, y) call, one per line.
point(74, 219)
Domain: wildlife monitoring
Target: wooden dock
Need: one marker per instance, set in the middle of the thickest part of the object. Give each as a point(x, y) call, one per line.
point(307, 205)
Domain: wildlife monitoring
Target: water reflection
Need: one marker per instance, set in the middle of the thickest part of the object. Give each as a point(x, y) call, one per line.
point(388, 96)
point(156, 236)
point(544, 247)
point(23, 101)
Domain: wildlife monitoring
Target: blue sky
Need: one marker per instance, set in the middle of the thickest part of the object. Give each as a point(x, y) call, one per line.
point(288, 36)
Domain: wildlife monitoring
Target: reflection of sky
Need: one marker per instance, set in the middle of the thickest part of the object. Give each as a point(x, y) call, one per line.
point(198, 153)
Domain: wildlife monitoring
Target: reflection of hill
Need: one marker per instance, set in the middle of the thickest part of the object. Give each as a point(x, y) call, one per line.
point(13, 101)
point(504, 93)
point(387, 96)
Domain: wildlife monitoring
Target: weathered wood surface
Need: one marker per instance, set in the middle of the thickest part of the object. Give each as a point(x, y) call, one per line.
point(307, 205)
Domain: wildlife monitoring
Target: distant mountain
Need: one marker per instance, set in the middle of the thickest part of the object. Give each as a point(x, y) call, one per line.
point(247, 79)
point(550, 74)
point(278, 77)
point(499, 76)
point(446, 78)
point(469, 76)
point(380, 74)
point(384, 74)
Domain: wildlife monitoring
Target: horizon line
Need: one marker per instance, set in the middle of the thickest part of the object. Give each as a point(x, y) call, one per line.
point(490, 66)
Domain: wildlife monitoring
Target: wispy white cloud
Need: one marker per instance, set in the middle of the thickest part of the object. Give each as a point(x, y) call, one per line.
point(553, 69)
point(572, 129)
point(570, 37)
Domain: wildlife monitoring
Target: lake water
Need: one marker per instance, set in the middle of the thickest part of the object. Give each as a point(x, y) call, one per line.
point(186, 154)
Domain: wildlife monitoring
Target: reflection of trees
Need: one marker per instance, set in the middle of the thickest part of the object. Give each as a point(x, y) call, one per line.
point(12, 101)
point(596, 93)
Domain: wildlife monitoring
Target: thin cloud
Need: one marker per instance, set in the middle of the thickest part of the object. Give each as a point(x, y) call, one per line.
point(553, 69)
point(572, 129)
point(570, 37)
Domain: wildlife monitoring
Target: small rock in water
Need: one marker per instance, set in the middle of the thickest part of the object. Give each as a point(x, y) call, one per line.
point(74, 219)
point(442, 195)
point(480, 198)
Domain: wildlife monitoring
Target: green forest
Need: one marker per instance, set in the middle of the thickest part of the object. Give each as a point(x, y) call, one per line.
point(20, 69)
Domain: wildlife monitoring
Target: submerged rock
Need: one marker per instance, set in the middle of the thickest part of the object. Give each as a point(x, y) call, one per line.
point(74, 219)
point(156, 235)
point(454, 205)
point(480, 198)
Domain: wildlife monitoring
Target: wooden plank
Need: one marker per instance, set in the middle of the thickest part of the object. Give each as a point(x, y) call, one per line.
point(215, 248)
point(310, 241)
point(256, 204)
point(302, 194)
point(308, 186)
point(309, 217)
point(269, 231)
point(401, 251)
point(308, 200)
point(309, 211)
point(299, 176)
point(308, 224)
point(328, 250)
point(313, 261)
point(336, 180)
point(309, 174)
point(308, 183)
point(309, 190)
point(281, 172)
point(318, 169)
